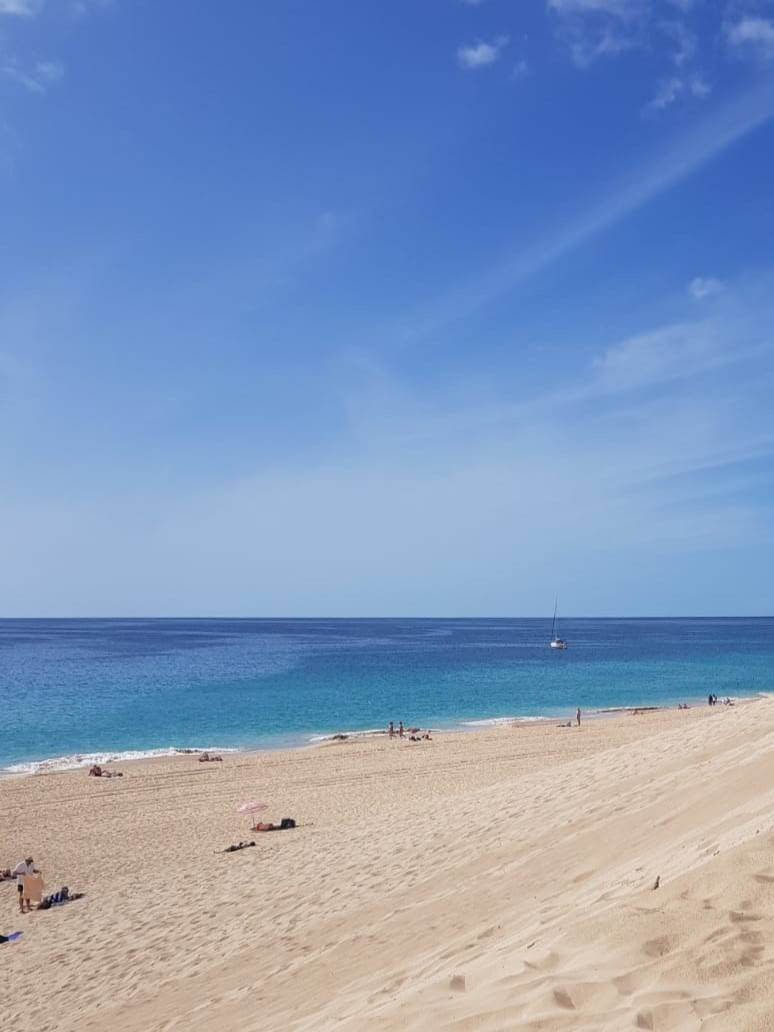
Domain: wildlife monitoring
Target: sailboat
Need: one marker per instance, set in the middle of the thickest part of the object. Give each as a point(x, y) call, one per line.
point(556, 642)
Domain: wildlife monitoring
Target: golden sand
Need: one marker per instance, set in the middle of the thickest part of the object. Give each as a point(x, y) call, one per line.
point(494, 880)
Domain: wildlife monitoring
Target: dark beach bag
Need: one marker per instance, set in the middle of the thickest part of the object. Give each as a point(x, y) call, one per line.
point(287, 822)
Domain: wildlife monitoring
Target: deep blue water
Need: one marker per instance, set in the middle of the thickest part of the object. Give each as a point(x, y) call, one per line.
point(92, 686)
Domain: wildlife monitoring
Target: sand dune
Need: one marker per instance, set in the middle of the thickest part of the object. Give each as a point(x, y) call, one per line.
point(494, 880)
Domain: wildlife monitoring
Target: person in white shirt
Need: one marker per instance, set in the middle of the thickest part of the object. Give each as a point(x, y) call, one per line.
point(22, 868)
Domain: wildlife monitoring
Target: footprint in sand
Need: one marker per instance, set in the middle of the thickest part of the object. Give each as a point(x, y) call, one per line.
point(563, 999)
point(657, 947)
point(737, 916)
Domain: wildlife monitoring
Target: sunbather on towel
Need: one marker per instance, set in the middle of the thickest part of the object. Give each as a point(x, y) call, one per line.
point(287, 822)
point(97, 772)
point(56, 898)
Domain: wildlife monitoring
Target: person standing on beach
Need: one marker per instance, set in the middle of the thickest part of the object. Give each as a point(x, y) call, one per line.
point(23, 868)
point(391, 730)
point(400, 729)
point(577, 715)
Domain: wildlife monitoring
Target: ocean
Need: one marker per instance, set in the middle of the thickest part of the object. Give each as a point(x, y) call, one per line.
point(73, 691)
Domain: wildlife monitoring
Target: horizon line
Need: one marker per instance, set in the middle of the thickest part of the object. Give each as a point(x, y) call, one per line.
point(547, 616)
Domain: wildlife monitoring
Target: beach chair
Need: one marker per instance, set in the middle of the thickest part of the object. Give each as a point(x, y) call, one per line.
point(33, 887)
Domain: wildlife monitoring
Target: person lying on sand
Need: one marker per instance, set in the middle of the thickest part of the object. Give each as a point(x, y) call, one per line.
point(206, 758)
point(284, 825)
point(55, 899)
point(97, 772)
point(240, 845)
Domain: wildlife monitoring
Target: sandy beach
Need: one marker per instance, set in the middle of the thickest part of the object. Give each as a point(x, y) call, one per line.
point(501, 879)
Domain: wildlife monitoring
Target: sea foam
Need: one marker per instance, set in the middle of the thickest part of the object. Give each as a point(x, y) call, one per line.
point(56, 764)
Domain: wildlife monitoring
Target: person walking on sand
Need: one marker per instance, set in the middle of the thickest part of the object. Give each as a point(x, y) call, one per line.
point(23, 868)
point(391, 730)
point(400, 729)
point(577, 715)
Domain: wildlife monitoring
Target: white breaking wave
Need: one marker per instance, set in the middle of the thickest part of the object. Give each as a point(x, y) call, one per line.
point(496, 721)
point(350, 734)
point(54, 764)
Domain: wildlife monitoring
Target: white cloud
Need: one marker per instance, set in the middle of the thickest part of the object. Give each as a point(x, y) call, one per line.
point(684, 40)
point(667, 93)
point(479, 55)
point(38, 78)
point(520, 69)
point(670, 90)
point(585, 48)
point(617, 8)
point(703, 286)
point(753, 33)
point(599, 28)
point(699, 87)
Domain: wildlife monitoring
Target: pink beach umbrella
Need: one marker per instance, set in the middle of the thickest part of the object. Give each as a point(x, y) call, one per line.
point(253, 807)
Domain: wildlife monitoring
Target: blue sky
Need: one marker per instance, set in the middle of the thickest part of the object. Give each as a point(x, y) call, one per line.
point(369, 308)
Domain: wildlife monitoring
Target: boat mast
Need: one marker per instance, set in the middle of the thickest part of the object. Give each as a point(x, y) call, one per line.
point(553, 624)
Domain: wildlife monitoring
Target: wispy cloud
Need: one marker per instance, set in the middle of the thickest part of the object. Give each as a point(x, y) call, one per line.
point(37, 78)
point(669, 353)
point(624, 9)
point(599, 28)
point(687, 153)
point(704, 286)
point(754, 34)
point(82, 8)
point(25, 8)
point(670, 90)
point(667, 93)
point(683, 39)
point(481, 54)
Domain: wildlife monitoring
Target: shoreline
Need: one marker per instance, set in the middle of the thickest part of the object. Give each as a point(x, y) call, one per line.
point(64, 763)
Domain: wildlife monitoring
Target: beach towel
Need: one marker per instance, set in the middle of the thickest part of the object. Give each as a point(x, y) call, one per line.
point(11, 938)
point(33, 887)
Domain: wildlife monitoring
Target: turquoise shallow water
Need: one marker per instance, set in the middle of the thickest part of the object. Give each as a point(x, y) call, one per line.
point(93, 687)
